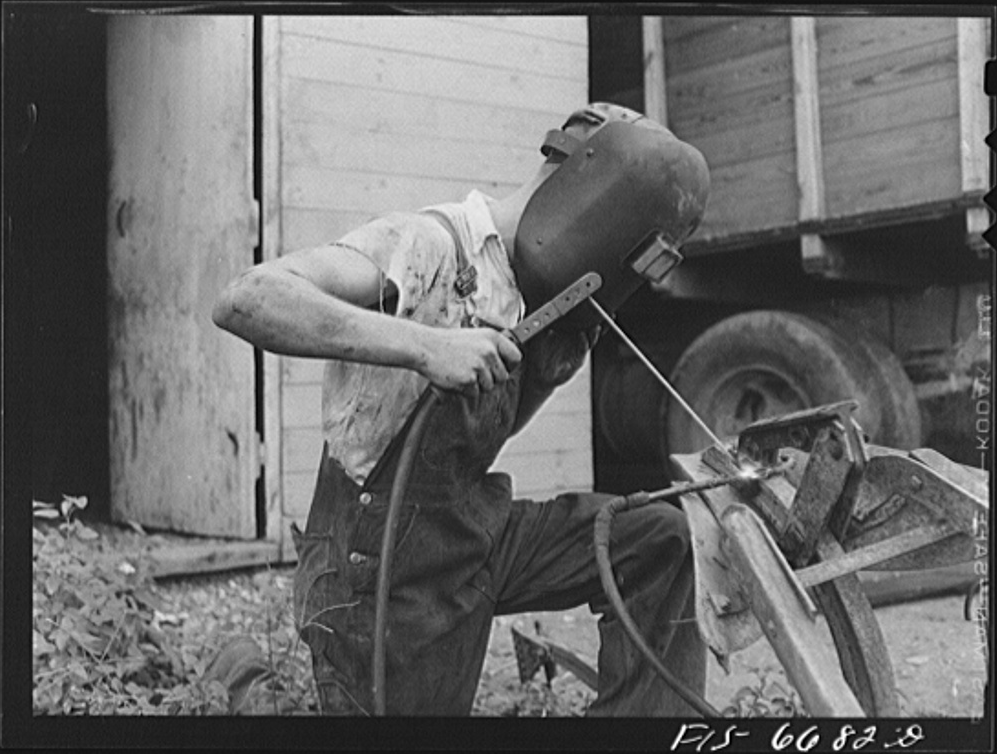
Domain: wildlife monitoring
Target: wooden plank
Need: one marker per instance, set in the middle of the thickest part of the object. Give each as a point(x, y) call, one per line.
point(553, 431)
point(693, 44)
point(183, 438)
point(809, 155)
point(355, 149)
point(750, 197)
point(495, 46)
point(694, 116)
point(557, 472)
point(886, 170)
point(393, 71)
point(188, 560)
point(974, 114)
point(571, 29)
point(302, 405)
point(736, 136)
point(655, 75)
point(271, 244)
point(898, 108)
point(701, 88)
point(295, 371)
point(681, 27)
point(873, 77)
point(847, 40)
point(305, 227)
point(307, 187)
point(415, 114)
point(302, 449)
point(299, 488)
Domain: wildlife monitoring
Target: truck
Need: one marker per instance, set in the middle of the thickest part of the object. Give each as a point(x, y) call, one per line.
point(841, 254)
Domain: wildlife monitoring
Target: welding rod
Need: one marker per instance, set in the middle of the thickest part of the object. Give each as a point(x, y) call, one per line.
point(660, 377)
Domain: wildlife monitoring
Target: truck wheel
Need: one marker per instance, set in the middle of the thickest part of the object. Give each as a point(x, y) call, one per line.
point(766, 363)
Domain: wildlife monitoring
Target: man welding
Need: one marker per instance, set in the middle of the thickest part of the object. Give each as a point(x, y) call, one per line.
point(429, 297)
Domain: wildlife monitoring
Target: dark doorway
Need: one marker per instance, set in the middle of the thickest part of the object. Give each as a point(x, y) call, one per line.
point(56, 167)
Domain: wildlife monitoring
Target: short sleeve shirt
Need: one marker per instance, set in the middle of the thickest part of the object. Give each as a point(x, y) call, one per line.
point(365, 405)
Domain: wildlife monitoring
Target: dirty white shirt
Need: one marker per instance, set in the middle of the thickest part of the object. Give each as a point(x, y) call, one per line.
point(364, 405)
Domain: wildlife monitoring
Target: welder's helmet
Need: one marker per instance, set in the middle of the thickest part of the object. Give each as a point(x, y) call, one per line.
point(626, 194)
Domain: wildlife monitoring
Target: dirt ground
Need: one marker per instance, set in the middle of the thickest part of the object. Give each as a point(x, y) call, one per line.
point(937, 662)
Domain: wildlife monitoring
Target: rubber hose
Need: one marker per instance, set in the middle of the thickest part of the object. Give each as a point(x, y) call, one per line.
point(603, 524)
point(399, 486)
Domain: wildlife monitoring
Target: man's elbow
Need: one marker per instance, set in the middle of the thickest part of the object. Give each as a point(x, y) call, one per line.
point(234, 304)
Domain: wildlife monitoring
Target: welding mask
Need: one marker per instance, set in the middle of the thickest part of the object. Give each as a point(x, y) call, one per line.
point(626, 195)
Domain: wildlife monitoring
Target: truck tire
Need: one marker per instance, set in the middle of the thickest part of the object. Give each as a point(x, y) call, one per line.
point(765, 363)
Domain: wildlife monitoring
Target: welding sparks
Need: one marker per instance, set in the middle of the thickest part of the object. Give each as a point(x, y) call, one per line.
point(748, 472)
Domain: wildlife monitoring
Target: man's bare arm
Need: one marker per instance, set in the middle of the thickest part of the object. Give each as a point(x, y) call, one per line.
point(311, 304)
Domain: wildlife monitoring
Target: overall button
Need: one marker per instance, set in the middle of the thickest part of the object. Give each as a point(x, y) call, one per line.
point(365, 498)
point(357, 558)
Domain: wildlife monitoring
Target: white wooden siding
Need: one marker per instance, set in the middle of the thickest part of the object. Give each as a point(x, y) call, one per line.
point(385, 113)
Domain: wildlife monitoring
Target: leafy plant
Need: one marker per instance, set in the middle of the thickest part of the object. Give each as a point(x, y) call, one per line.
point(96, 646)
point(764, 698)
point(104, 643)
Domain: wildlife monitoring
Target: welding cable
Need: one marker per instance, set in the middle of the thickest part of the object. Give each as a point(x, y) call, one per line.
point(603, 523)
point(429, 399)
point(746, 484)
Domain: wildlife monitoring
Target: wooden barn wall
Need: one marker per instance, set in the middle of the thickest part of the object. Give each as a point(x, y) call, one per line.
point(384, 113)
point(888, 97)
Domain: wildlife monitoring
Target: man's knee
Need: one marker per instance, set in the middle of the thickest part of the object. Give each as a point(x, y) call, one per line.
point(665, 529)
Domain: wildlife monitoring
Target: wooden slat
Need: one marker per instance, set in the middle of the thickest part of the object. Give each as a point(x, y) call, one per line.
point(415, 114)
point(694, 44)
point(809, 155)
point(737, 136)
point(271, 240)
point(846, 40)
point(750, 197)
point(296, 371)
point(405, 72)
point(299, 486)
point(350, 148)
point(655, 78)
point(700, 89)
point(318, 188)
point(561, 471)
point(887, 169)
point(494, 47)
point(554, 431)
point(898, 108)
point(680, 27)
point(311, 227)
point(302, 449)
point(189, 559)
point(875, 76)
point(183, 450)
point(973, 121)
point(302, 405)
point(572, 29)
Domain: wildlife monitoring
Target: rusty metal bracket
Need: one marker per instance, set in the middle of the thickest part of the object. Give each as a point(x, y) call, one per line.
point(761, 442)
point(825, 494)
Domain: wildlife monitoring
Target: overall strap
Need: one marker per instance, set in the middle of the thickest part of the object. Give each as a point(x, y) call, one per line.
point(467, 275)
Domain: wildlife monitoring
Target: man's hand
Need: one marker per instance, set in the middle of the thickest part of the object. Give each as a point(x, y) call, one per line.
point(469, 359)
